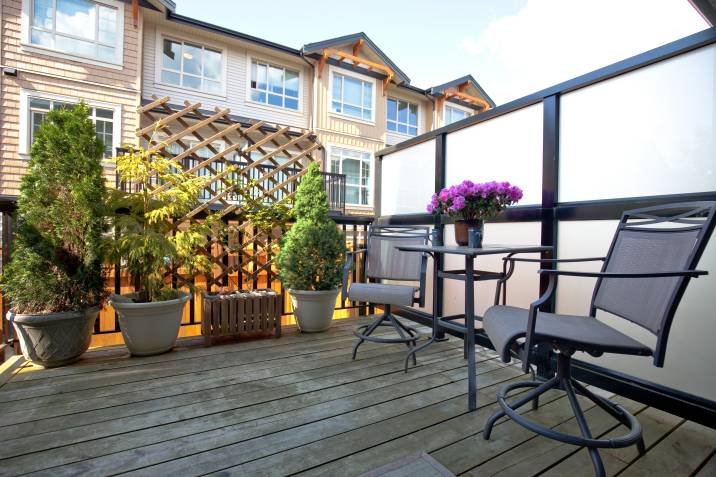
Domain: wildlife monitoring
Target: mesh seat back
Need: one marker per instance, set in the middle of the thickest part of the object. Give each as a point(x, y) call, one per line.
point(645, 301)
point(385, 261)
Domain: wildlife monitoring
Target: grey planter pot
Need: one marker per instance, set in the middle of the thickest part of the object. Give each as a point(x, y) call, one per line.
point(313, 309)
point(54, 339)
point(149, 328)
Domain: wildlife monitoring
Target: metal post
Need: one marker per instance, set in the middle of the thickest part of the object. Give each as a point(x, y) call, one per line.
point(470, 332)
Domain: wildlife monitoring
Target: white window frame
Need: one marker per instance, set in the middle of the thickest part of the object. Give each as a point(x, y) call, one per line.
point(333, 70)
point(457, 107)
point(159, 45)
point(26, 123)
point(249, 62)
point(30, 47)
point(408, 126)
point(371, 168)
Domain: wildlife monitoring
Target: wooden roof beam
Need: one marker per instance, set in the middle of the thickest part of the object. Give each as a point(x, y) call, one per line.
point(468, 98)
point(356, 49)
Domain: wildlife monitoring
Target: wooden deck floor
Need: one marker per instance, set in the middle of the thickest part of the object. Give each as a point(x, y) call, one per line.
point(299, 405)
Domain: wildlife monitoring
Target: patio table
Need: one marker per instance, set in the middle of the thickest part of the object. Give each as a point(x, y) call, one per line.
point(469, 276)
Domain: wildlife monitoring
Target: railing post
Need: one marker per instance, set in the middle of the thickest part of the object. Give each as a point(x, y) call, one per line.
point(440, 162)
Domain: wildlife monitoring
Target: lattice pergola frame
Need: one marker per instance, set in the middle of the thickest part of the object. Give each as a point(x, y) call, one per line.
point(193, 130)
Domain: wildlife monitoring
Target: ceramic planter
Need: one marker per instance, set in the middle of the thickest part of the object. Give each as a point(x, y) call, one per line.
point(54, 339)
point(149, 328)
point(313, 309)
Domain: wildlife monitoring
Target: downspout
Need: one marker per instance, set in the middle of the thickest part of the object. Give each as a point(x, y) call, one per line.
point(314, 102)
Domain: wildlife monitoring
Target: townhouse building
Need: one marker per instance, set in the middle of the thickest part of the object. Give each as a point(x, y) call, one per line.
point(117, 55)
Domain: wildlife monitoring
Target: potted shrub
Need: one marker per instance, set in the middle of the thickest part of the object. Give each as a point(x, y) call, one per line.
point(55, 281)
point(311, 256)
point(472, 204)
point(149, 248)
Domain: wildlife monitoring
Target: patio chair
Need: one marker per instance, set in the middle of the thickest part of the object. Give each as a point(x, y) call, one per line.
point(383, 261)
point(651, 259)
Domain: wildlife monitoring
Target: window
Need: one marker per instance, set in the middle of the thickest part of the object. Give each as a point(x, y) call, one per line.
point(78, 27)
point(102, 118)
point(274, 85)
point(402, 117)
point(356, 167)
point(454, 114)
point(352, 97)
point(193, 66)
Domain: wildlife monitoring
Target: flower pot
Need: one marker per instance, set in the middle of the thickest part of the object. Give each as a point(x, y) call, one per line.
point(313, 309)
point(54, 339)
point(461, 231)
point(149, 328)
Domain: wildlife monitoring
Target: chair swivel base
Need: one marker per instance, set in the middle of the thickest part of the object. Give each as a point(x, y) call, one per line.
point(571, 387)
point(406, 334)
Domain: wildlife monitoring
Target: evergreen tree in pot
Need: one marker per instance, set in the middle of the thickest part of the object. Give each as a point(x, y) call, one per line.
point(149, 248)
point(310, 261)
point(55, 281)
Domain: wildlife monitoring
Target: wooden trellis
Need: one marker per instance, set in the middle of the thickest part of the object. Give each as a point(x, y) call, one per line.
point(230, 154)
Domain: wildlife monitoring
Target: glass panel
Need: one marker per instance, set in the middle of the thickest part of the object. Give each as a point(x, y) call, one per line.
point(402, 128)
point(253, 74)
point(392, 110)
point(291, 103)
point(351, 168)
point(191, 82)
point(392, 126)
point(336, 107)
point(42, 14)
point(213, 87)
point(261, 80)
point(76, 18)
point(367, 114)
point(364, 197)
point(367, 95)
point(170, 77)
point(291, 84)
point(192, 59)
point(275, 100)
point(402, 112)
point(41, 38)
point(335, 164)
point(365, 173)
point(40, 103)
point(104, 113)
point(212, 64)
point(352, 194)
point(171, 55)
point(413, 115)
point(352, 91)
point(408, 179)
point(106, 53)
point(258, 96)
point(337, 87)
point(352, 110)
point(275, 80)
point(413, 131)
point(37, 118)
point(72, 45)
point(107, 27)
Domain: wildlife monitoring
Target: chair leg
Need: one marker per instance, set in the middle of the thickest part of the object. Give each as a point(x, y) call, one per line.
point(399, 328)
point(368, 332)
point(584, 428)
point(535, 401)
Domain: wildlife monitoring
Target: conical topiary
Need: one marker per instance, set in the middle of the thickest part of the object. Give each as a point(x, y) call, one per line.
point(56, 260)
point(312, 253)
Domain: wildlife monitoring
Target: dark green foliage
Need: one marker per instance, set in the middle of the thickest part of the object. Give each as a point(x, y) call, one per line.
point(56, 260)
point(313, 251)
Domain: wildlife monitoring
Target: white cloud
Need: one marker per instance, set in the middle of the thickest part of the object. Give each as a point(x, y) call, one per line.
point(549, 41)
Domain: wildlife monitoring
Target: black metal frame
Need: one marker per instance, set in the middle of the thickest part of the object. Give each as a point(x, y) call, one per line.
point(551, 212)
point(406, 334)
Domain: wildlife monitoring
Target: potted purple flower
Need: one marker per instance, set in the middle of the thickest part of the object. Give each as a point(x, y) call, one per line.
point(472, 203)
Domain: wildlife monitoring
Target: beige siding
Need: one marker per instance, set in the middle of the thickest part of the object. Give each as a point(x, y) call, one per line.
point(52, 75)
point(237, 56)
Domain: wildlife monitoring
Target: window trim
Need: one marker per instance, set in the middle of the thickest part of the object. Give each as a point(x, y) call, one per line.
point(27, 46)
point(371, 162)
point(25, 122)
point(257, 104)
point(417, 123)
point(331, 70)
point(158, 48)
point(459, 107)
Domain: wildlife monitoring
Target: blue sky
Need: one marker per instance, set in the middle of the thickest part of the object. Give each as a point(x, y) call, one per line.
point(512, 47)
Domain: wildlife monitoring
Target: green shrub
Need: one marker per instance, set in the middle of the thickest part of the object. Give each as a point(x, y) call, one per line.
point(56, 256)
point(313, 251)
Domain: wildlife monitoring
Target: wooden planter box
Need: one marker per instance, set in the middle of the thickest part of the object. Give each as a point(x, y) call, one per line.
point(241, 312)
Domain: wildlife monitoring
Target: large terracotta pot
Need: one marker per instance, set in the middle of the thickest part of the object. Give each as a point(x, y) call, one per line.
point(149, 328)
point(313, 309)
point(54, 339)
point(461, 231)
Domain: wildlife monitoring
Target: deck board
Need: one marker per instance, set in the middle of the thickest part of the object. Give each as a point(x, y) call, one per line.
point(301, 405)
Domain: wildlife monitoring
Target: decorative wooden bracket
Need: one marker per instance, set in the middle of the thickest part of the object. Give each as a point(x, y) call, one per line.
point(135, 13)
point(370, 65)
point(468, 98)
point(356, 49)
point(322, 63)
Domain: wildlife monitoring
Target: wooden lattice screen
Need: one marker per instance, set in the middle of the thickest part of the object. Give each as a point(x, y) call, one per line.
point(269, 157)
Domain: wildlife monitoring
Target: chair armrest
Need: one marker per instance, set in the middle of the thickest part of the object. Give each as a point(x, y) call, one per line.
point(674, 273)
point(532, 321)
point(351, 254)
point(555, 260)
